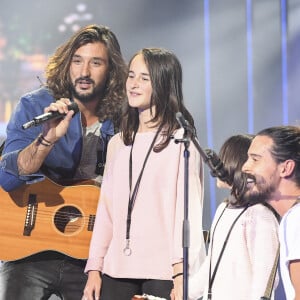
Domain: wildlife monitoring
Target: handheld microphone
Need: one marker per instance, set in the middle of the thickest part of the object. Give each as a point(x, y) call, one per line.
point(49, 116)
point(216, 165)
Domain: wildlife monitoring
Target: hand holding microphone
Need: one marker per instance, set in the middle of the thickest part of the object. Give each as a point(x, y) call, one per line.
point(51, 115)
point(59, 111)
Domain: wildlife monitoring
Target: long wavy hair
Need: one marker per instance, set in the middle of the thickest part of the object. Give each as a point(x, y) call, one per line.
point(233, 154)
point(58, 69)
point(166, 78)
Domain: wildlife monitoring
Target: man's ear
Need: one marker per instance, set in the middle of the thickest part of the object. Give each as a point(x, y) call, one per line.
point(287, 168)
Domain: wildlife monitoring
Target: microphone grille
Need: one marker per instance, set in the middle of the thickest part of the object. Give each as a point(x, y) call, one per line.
point(74, 106)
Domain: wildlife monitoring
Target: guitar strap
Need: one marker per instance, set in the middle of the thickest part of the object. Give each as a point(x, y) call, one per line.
point(270, 283)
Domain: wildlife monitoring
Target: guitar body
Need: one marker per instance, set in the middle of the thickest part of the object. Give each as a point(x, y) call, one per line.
point(47, 216)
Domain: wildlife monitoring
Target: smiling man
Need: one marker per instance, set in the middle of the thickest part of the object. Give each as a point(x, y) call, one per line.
point(273, 169)
point(88, 70)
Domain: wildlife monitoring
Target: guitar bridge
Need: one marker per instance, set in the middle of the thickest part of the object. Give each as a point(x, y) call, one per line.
point(91, 223)
point(30, 215)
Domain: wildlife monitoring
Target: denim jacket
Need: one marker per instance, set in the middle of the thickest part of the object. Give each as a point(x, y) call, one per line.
point(62, 161)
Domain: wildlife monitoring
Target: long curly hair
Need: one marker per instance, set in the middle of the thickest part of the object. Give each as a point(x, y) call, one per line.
point(58, 75)
point(166, 78)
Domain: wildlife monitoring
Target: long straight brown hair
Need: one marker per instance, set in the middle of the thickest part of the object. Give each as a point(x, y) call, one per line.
point(166, 78)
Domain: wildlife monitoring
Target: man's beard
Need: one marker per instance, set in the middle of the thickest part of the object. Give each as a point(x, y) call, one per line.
point(263, 193)
point(96, 93)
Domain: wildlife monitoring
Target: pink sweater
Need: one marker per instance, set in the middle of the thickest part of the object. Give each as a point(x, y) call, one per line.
point(156, 226)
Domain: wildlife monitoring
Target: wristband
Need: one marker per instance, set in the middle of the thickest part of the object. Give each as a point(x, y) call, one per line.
point(41, 140)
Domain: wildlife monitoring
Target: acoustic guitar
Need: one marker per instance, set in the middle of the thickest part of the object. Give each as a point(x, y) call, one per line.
point(47, 216)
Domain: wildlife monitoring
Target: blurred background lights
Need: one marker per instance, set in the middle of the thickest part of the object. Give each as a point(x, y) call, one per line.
point(74, 21)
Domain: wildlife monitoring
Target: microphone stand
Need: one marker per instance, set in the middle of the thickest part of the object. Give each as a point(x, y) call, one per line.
point(186, 225)
point(189, 135)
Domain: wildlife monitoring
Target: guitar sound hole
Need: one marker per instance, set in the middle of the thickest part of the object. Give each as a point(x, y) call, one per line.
point(68, 219)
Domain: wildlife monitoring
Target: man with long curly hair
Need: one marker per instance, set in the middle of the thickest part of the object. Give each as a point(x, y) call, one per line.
point(87, 72)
